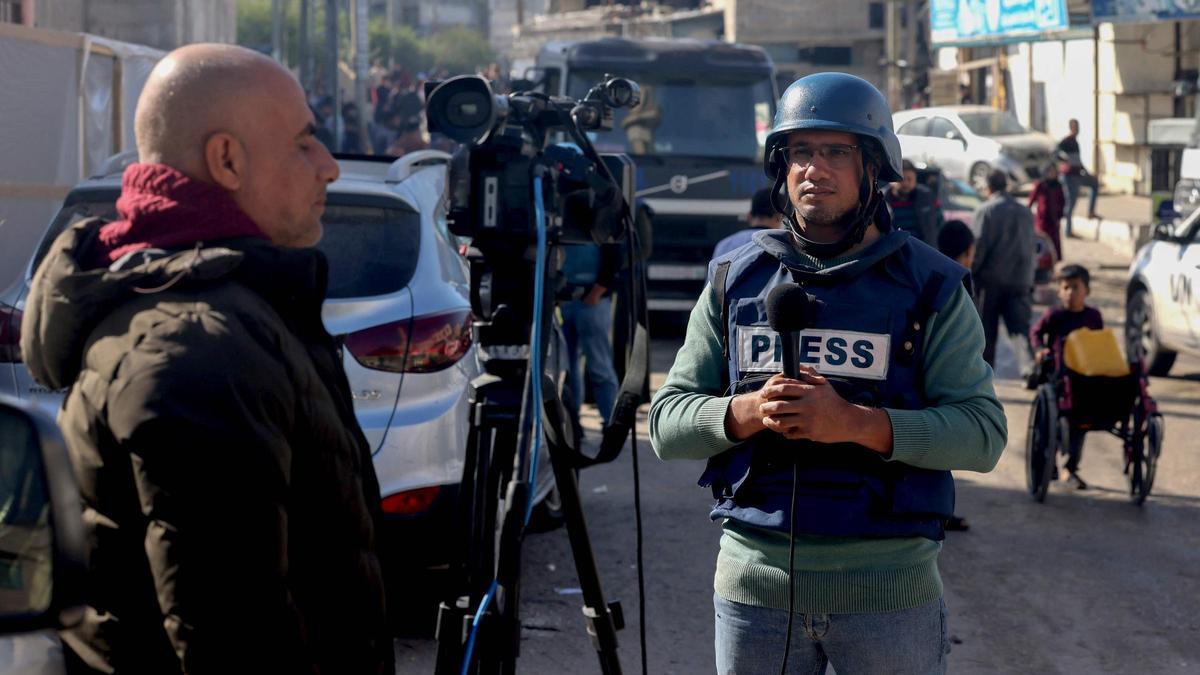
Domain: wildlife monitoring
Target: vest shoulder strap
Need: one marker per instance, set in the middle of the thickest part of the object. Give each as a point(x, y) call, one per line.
point(720, 277)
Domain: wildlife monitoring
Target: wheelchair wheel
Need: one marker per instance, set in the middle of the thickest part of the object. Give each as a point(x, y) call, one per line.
point(1146, 448)
point(1041, 443)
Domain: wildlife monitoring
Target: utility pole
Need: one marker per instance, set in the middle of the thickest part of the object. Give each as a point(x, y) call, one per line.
point(358, 25)
point(892, 48)
point(305, 51)
point(331, 56)
point(277, 30)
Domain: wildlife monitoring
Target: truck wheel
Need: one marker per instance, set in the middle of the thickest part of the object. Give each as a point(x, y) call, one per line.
point(1142, 335)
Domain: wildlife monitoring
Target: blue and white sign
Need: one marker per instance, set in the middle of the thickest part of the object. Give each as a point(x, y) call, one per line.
point(967, 21)
point(1144, 10)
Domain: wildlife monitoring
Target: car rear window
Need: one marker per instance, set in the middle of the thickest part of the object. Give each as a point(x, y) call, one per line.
point(372, 243)
point(372, 246)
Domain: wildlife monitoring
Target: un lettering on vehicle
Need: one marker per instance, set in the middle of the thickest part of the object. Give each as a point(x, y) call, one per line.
point(830, 351)
point(1181, 289)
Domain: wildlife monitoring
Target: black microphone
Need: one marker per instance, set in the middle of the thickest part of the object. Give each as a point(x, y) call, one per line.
point(790, 310)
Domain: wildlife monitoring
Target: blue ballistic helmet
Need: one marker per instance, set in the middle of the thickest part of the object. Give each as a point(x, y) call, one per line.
point(835, 102)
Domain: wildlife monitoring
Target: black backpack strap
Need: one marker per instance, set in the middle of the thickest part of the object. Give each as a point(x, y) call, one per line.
point(720, 277)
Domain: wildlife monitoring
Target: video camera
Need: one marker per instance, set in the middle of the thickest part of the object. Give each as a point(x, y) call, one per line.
point(505, 147)
point(525, 182)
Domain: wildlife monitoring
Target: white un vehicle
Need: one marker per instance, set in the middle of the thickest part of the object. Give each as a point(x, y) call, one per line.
point(1163, 297)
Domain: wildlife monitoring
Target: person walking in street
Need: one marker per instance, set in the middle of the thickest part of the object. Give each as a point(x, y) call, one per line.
point(915, 209)
point(832, 488)
point(1075, 176)
point(762, 216)
point(591, 272)
point(229, 492)
point(1003, 268)
point(1049, 200)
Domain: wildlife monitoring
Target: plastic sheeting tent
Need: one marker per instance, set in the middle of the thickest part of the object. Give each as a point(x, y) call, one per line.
point(67, 105)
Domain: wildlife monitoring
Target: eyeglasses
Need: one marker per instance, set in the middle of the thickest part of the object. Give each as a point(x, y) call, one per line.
point(836, 155)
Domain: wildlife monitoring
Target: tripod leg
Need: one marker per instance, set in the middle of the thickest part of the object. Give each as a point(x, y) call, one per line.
point(490, 447)
point(603, 619)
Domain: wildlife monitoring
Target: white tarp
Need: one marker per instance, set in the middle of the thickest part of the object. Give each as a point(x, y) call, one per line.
point(45, 106)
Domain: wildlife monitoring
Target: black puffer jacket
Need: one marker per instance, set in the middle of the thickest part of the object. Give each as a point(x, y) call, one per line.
point(229, 493)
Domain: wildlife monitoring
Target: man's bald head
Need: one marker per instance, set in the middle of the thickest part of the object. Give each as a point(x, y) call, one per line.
point(232, 117)
point(197, 90)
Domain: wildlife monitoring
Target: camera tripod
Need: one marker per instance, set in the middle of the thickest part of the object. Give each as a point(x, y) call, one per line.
point(479, 632)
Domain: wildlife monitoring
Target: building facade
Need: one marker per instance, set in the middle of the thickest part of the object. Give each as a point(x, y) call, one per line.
point(1119, 78)
point(427, 16)
point(162, 24)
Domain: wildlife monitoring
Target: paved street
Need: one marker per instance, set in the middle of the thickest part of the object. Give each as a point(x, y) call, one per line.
point(1084, 583)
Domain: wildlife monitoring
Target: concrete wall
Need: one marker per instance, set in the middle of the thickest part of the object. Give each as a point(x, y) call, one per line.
point(801, 22)
point(784, 26)
point(163, 24)
point(1136, 65)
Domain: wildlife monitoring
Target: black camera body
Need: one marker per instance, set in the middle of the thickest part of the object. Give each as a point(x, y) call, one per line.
point(505, 148)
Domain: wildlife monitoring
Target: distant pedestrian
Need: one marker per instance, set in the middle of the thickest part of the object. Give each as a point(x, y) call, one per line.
point(230, 500)
point(915, 209)
point(1050, 200)
point(590, 272)
point(1004, 266)
point(957, 242)
point(1075, 175)
point(762, 216)
point(326, 119)
point(353, 141)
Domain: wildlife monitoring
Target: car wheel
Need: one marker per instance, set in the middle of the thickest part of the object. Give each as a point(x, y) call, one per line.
point(978, 176)
point(1142, 335)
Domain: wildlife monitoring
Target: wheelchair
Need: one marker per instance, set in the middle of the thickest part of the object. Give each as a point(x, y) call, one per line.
point(1085, 385)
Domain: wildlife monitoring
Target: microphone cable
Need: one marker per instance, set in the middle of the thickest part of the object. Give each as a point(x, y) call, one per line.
point(534, 373)
point(787, 641)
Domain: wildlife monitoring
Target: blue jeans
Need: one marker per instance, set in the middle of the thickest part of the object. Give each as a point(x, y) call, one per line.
point(908, 642)
point(586, 330)
point(1073, 182)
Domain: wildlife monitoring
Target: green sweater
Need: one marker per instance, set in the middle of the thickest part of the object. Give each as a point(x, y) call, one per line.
point(963, 429)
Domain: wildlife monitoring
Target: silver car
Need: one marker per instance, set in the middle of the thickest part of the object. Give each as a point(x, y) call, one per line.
point(397, 300)
point(968, 141)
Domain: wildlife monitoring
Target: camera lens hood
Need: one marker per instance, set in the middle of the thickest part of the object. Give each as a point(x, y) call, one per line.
point(464, 109)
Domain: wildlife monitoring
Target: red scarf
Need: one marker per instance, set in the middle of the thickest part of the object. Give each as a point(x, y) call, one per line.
point(162, 208)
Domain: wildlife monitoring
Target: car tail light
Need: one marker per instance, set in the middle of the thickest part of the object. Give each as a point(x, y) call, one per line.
point(411, 502)
point(10, 335)
point(423, 344)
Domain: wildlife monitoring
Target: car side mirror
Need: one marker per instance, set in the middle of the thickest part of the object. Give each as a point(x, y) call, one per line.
point(42, 554)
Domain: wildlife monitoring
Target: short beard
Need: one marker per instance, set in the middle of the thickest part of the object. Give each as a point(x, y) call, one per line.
point(821, 219)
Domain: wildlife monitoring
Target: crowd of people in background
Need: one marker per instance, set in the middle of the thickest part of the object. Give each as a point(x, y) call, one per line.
point(395, 122)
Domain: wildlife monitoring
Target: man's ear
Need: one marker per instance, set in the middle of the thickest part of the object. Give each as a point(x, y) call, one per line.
point(225, 159)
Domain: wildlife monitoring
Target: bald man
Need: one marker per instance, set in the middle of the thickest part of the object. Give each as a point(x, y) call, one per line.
point(229, 493)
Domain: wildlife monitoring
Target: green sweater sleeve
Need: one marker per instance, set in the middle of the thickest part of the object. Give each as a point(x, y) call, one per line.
point(963, 429)
point(687, 415)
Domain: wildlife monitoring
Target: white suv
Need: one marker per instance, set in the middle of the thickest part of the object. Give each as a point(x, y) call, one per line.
point(1163, 297)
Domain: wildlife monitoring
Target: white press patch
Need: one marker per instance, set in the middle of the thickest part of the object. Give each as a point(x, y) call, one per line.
point(832, 352)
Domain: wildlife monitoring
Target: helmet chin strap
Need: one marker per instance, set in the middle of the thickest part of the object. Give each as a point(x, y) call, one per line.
point(855, 223)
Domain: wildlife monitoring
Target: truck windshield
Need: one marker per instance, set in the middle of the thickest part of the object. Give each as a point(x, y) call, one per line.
point(687, 115)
